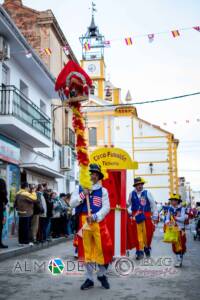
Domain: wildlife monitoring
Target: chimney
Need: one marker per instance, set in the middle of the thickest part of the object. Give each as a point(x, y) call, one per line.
point(17, 2)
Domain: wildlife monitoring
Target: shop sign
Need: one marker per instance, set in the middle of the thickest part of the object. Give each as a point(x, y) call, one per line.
point(9, 150)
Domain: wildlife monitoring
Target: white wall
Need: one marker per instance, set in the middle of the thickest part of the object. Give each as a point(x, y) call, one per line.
point(122, 133)
point(35, 92)
point(123, 138)
point(30, 156)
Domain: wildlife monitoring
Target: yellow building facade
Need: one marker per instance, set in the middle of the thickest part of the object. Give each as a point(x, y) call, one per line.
point(111, 123)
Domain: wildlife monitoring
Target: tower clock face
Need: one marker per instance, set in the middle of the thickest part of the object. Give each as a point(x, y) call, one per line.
point(92, 68)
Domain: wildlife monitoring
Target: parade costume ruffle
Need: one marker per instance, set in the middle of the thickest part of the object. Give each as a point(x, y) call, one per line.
point(95, 245)
point(140, 235)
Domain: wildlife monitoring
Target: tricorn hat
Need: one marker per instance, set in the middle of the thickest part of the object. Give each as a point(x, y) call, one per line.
point(176, 197)
point(97, 169)
point(139, 180)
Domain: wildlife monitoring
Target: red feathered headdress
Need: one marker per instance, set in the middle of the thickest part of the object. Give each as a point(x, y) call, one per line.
point(72, 77)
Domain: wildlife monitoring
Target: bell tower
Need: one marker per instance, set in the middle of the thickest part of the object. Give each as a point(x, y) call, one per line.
point(93, 44)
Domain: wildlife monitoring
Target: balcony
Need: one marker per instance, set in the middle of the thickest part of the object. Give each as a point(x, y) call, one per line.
point(70, 137)
point(22, 120)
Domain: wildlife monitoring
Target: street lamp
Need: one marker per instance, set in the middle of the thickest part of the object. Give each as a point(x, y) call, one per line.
point(151, 167)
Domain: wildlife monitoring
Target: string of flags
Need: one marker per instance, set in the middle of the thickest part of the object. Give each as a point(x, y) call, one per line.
point(188, 121)
point(129, 41)
point(48, 51)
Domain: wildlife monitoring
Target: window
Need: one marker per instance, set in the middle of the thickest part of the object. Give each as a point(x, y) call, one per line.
point(23, 88)
point(42, 106)
point(92, 136)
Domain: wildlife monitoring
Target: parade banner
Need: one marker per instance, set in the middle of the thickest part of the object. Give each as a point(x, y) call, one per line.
point(113, 158)
point(114, 164)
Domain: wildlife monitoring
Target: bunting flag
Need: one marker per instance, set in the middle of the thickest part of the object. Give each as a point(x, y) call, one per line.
point(151, 37)
point(107, 44)
point(48, 51)
point(87, 46)
point(66, 49)
point(128, 41)
point(180, 122)
point(175, 33)
point(197, 28)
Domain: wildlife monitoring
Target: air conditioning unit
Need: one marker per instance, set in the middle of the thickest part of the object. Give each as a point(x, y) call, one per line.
point(66, 158)
point(4, 49)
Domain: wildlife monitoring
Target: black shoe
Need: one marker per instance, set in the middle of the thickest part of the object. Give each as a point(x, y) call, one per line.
point(147, 252)
point(88, 284)
point(139, 255)
point(36, 242)
point(104, 282)
point(2, 246)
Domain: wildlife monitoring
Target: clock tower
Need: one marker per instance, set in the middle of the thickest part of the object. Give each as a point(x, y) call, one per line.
point(93, 44)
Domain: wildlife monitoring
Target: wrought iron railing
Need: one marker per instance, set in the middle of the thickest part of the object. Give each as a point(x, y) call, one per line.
point(13, 102)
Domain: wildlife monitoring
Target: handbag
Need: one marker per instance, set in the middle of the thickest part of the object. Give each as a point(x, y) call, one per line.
point(171, 234)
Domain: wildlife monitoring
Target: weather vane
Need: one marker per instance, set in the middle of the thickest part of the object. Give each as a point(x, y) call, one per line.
point(93, 8)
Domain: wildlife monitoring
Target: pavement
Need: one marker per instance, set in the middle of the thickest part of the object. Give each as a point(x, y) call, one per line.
point(28, 275)
point(14, 249)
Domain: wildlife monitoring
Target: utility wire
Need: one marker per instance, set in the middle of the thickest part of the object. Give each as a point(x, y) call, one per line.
point(143, 102)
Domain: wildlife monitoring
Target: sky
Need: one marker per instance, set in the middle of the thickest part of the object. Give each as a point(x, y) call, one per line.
point(167, 67)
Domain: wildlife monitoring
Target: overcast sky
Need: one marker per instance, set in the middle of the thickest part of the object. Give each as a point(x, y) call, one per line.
point(167, 67)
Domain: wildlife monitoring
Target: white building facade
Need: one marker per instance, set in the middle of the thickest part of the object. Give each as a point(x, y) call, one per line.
point(27, 151)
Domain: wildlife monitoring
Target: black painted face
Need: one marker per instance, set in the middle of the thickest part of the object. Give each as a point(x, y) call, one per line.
point(94, 177)
point(174, 202)
point(139, 187)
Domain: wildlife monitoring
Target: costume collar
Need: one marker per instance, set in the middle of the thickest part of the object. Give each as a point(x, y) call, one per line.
point(96, 186)
point(176, 207)
point(138, 193)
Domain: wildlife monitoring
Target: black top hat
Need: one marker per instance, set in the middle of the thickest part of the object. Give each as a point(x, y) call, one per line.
point(138, 180)
point(97, 169)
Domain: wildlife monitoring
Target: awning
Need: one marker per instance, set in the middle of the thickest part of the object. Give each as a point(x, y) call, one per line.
point(40, 169)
